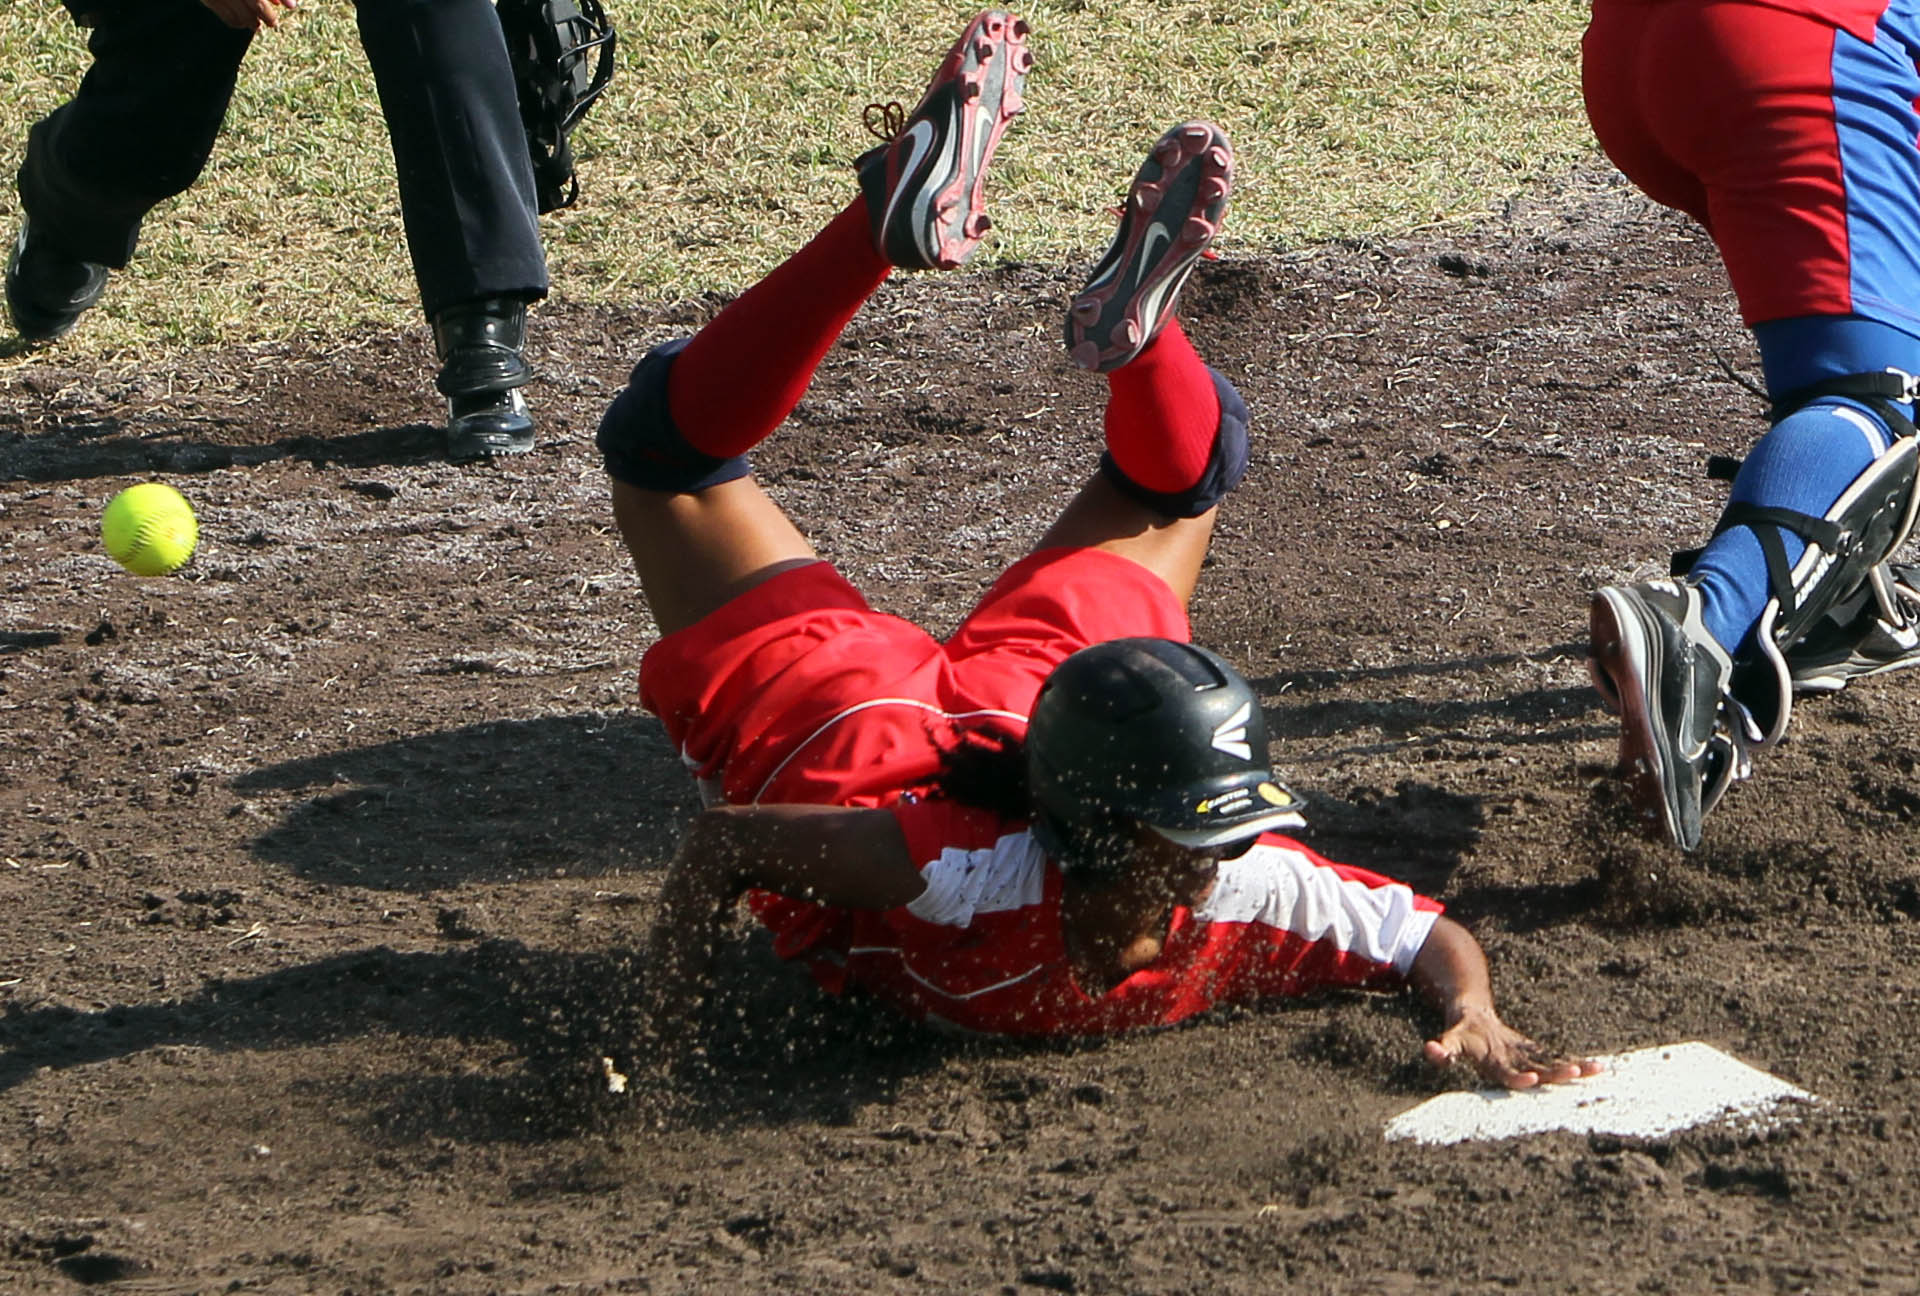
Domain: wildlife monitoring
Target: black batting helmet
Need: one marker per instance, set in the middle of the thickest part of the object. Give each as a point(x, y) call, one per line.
point(1148, 731)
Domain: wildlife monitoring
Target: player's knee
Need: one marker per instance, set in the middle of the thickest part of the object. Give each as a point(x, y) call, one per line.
point(640, 443)
point(1226, 466)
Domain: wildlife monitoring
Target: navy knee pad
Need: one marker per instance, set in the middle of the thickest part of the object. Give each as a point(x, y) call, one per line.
point(1225, 467)
point(640, 443)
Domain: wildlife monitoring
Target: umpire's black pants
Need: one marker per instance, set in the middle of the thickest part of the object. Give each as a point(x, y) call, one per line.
point(143, 123)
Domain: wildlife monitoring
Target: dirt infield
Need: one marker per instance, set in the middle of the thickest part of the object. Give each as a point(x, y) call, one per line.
point(323, 867)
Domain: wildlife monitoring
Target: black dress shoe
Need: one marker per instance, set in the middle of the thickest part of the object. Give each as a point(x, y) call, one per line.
point(481, 373)
point(47, 290)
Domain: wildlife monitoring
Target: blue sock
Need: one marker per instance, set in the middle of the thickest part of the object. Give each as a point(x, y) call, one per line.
point(1805, 462)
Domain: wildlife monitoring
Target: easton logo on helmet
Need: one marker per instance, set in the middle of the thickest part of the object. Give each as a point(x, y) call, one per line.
point(1230, 736)
point(1227, 804)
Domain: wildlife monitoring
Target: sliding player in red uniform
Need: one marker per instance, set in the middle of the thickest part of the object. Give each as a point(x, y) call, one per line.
point(1788, 129)
point(1061, 820)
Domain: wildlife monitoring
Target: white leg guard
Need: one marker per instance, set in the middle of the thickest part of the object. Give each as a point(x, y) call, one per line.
point(1846, 549)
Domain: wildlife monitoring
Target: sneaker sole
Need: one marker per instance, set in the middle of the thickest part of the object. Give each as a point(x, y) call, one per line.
point(469, 449)
point(1833, 679)
point(935, 215)
point(1173, 211)
point(1624, 653)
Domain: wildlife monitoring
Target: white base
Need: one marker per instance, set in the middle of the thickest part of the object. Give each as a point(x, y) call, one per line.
point(1644, 1094)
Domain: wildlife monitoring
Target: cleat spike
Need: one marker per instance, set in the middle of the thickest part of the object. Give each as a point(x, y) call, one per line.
point(1135, 287)
point(975, 93)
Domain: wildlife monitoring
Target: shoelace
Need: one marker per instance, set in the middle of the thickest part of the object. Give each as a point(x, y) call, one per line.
point(884, 121)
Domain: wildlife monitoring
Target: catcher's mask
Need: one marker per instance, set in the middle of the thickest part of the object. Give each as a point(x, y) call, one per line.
point(562, 54)
point(1154, 732)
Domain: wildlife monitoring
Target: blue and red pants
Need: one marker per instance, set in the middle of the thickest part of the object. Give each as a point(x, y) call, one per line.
point(1788, 130)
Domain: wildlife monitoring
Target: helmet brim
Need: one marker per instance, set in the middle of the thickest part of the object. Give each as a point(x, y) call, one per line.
point(1225, 834)
point(1238, 812)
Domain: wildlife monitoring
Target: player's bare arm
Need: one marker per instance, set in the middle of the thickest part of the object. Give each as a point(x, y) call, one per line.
point(1450, 972)
point(834, 855)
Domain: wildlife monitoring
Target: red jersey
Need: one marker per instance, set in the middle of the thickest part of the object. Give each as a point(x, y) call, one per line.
point(1787, 129)
point(983, 948)
point(798, 691)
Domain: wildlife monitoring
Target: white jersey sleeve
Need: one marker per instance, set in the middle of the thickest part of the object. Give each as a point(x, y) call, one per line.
point(1009, 874)
point(1293, 891)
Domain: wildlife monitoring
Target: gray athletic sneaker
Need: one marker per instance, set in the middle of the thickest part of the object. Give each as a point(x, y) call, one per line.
point(1856, 638)
point(923, 186)
point(1683, 740)
point(1174, 209)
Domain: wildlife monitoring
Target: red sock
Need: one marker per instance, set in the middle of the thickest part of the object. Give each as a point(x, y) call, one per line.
point(1163, 414)
point(749, 366)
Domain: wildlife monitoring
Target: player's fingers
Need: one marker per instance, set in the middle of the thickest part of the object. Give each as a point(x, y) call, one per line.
point(1583, 1067)
point(1554, 1066)
point(1511, 1063)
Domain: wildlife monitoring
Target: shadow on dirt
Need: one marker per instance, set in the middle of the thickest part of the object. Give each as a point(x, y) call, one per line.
point(579, 794)
point(1437, 720)
point(774, 1049)
point(1316, 680)
point(1517, 715)
point(1417, 835)
point(110, 448)
point(14, 641)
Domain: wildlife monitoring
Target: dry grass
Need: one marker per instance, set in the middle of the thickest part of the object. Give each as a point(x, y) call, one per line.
point(728, 131)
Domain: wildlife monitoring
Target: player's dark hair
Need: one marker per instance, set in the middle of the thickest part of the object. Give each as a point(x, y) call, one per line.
point(985, 768)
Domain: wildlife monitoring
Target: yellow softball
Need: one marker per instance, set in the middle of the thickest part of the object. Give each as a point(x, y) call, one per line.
point(149, 529)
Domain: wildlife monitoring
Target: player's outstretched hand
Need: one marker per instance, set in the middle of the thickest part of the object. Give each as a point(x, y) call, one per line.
point(1502, 1055)
point(248, 15)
